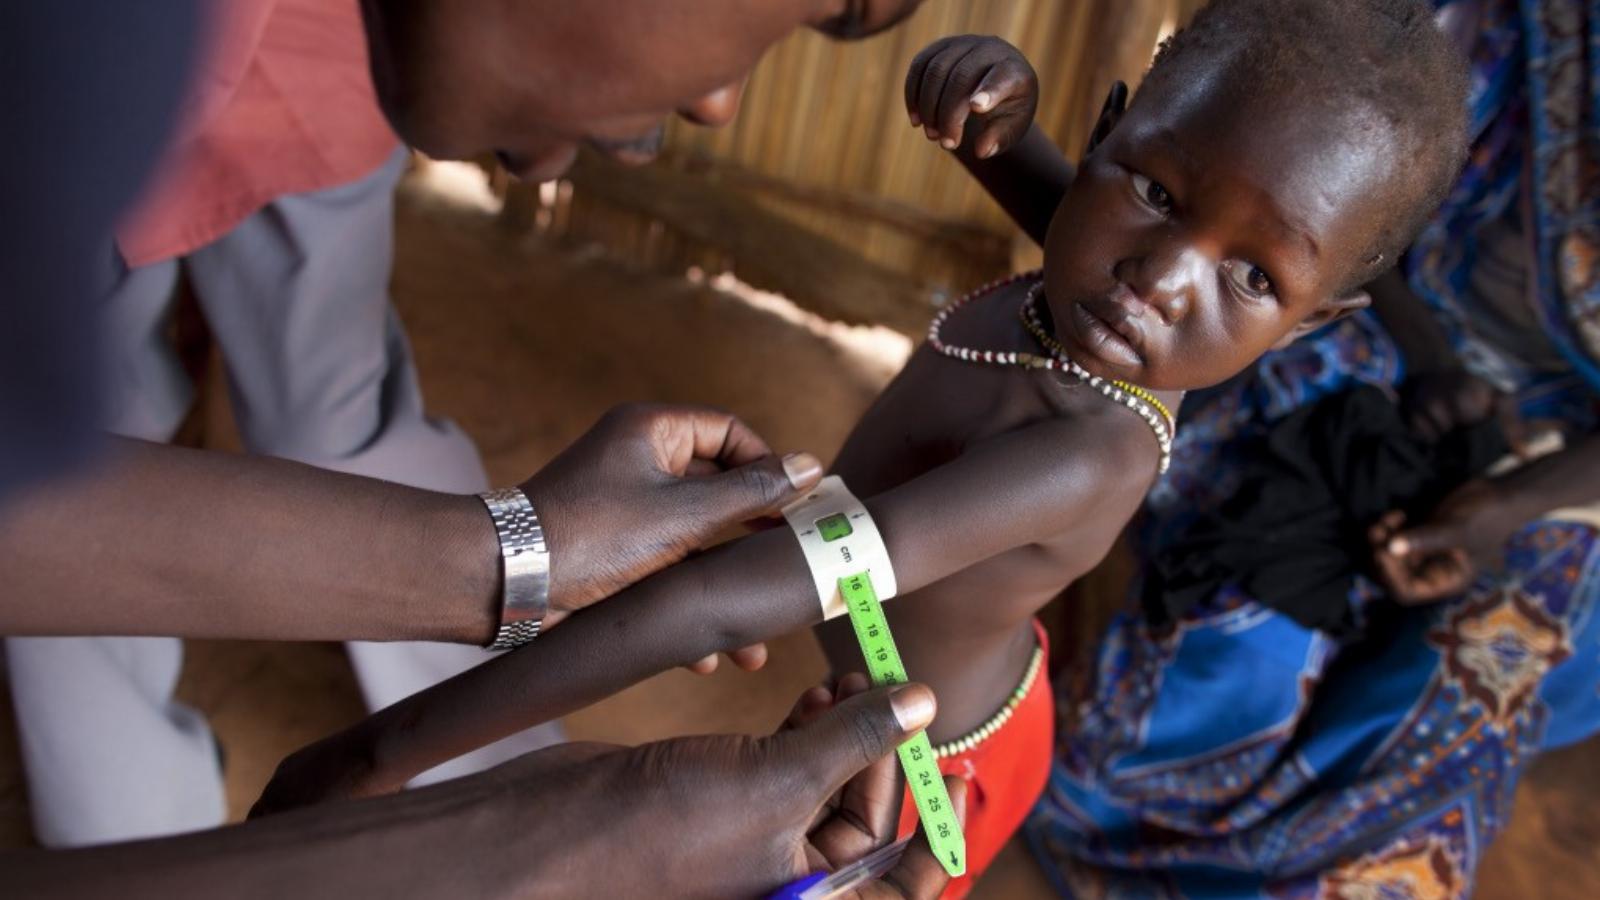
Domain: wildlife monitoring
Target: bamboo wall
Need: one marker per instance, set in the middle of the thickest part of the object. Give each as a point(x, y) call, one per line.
point(823, 142)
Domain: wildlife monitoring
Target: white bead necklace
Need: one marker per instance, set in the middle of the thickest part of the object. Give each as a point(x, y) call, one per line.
point(1142, 402)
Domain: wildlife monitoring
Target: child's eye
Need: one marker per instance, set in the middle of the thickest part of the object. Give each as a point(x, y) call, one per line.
point(1251, 279)
point(1153, 193)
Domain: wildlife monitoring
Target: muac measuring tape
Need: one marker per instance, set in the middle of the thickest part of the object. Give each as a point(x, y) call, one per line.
point(851, 568)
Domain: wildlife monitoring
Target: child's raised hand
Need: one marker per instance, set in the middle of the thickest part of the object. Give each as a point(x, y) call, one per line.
point(972, 92)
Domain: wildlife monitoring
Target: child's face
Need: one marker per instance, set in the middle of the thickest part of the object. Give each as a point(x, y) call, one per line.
point(531, 80)
point(1210, 225)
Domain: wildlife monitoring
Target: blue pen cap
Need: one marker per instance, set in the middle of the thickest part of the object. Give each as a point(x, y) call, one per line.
point(796, 889)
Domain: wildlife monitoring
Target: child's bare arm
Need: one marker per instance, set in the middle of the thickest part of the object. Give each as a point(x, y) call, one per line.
point(997, 496)
point(977, 97)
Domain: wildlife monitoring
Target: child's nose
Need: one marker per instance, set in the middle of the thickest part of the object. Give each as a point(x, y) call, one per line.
point(717, 108)
point(1167, 278)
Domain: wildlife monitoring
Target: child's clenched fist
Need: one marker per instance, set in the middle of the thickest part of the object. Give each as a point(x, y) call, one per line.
point(972, 92)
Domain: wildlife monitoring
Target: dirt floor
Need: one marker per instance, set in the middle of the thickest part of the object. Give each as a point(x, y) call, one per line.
point(525, 344)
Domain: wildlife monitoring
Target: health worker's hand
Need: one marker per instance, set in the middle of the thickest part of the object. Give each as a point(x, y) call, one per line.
point(646, 486)
point(725, 815)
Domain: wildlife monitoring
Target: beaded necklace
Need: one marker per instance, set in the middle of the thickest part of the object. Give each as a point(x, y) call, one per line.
point(1145, 404)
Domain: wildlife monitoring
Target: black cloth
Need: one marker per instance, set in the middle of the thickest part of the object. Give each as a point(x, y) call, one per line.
point(1295, 535)
point(89, 91)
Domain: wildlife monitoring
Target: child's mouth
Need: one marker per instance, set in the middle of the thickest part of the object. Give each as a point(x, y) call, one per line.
point(1108, 332)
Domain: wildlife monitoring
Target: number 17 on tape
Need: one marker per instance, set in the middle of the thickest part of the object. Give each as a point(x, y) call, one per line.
point(939, 820)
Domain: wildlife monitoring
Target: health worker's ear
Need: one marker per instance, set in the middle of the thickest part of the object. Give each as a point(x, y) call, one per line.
point(1110, 115)
point(1331, 310)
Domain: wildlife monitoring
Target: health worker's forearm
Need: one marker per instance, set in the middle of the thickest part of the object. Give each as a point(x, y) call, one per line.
point(445, 841)
point(162, 540)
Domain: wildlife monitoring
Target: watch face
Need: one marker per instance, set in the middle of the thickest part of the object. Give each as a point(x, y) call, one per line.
point(834, 527)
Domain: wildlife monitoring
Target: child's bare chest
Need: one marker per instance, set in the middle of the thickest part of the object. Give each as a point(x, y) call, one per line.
point(941, 409)
point(932, 413)
point(937, 411)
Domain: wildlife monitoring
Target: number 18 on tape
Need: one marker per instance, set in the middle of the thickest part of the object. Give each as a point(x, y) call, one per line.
point(939, 820)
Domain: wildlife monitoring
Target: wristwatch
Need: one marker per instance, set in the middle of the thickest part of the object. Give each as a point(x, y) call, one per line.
point(524, 567)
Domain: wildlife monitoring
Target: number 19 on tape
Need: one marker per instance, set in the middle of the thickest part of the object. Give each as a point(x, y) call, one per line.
point(939, 820)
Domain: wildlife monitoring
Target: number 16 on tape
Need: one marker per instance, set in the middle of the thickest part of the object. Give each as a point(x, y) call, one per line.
point(939, 820)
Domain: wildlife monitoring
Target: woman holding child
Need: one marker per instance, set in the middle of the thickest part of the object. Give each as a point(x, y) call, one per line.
point(1237, 750)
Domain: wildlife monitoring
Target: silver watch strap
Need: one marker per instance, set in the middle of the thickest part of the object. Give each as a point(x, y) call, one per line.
point(524, 566)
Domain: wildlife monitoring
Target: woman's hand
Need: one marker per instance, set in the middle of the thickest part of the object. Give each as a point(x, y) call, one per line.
point(1468, 533)
point(1439, 558)
point(645, 487)
point(1438, 402)
point(974, 93)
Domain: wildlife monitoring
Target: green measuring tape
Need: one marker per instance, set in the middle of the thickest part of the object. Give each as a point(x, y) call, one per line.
point(939, 820)
point(838, 538)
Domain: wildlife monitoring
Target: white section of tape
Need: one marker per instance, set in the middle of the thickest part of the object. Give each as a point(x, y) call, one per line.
point(834, 551)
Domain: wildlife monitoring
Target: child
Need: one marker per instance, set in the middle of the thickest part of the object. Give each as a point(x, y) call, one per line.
point(1185, 247)
point(1236, 204)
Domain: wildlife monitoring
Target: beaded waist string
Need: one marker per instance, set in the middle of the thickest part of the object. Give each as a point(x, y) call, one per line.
point(994, 723)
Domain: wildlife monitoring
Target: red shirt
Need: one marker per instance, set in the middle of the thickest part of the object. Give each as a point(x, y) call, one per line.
point(282, 103)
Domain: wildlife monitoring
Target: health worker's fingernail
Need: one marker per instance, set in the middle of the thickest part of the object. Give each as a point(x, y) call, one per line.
point(914, 707)
point(803, 470)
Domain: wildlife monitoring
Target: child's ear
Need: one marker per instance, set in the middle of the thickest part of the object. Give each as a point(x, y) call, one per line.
point(1110, 115)
point(1332, 310)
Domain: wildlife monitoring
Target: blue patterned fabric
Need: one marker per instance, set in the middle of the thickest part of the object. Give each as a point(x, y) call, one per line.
point(1536, 124)
point(1239, 754)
